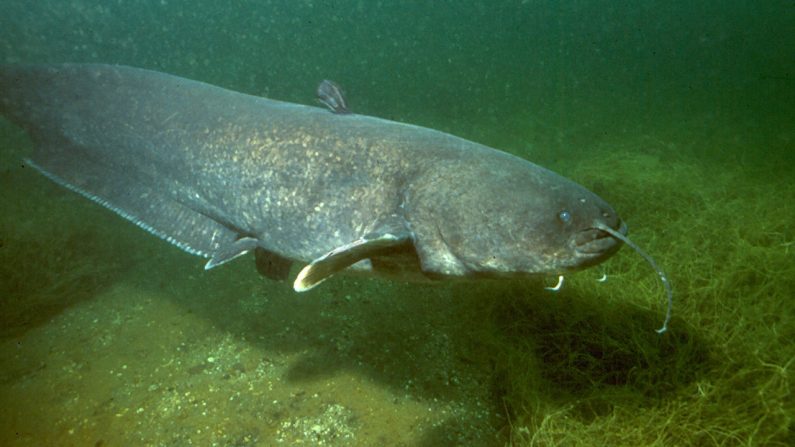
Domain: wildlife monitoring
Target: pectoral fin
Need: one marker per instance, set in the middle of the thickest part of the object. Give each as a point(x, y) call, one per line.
point(391, 234)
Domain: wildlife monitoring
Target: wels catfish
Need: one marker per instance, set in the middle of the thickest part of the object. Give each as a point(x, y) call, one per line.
point(220, 173)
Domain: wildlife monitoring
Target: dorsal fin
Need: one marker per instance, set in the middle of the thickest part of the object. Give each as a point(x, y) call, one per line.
point(332, 96)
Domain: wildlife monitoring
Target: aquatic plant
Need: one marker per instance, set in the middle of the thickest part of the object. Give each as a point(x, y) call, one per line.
point(583, 367)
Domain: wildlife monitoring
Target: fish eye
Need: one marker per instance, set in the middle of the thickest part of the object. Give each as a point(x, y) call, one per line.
point(564, 216)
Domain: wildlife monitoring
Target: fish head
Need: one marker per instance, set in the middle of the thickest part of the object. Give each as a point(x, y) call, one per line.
point(514, 218)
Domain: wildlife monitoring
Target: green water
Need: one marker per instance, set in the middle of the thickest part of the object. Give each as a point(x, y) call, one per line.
point(680, 116)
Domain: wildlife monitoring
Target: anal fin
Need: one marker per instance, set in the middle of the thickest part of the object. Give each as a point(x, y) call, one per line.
point(143, 205)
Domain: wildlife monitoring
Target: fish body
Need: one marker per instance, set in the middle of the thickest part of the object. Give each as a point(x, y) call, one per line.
point(220, 173)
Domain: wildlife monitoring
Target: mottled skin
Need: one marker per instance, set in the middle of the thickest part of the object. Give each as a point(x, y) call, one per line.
point(203, 166)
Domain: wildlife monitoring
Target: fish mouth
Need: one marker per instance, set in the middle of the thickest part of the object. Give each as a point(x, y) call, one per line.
point(594, 241)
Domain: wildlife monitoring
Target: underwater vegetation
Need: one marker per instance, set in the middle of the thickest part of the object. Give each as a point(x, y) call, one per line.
point(584, 367)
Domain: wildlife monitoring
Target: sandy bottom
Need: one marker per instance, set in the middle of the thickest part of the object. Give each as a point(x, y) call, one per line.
point(134, 366)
